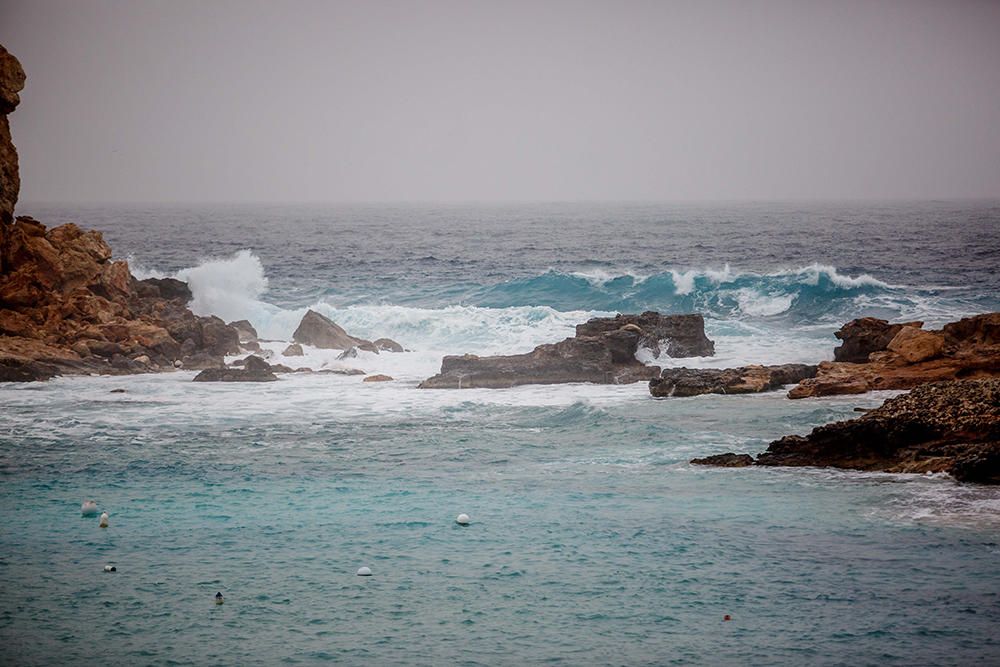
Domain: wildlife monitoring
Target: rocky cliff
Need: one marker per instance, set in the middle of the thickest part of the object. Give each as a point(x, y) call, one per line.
point(66, 307)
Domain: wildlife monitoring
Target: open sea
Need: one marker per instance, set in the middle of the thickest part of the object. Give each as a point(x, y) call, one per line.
point(592, 540)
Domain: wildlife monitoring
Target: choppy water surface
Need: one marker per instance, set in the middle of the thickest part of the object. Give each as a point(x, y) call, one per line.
point(592, 540)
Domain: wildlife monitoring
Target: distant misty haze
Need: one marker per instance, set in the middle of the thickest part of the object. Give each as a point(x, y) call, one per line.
point(505, 101)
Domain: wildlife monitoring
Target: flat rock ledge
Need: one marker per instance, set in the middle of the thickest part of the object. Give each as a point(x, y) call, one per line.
point(951, 427)
point(679, 382)
point(602, 352)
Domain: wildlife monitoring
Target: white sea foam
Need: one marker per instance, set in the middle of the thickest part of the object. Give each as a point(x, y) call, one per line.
point(600, 277)
point(229, 288)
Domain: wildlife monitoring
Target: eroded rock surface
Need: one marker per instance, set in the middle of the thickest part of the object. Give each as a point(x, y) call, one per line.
point(678, 382)
point(969, 348)
point(603, 352)
point(941, 427)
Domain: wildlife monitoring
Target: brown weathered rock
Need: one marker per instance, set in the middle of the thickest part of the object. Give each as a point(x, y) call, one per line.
point(378, 378)
point(865, 335)
point(942, 427)
point(680, 382)
point(245, 330)
point(293, 350)
point(11, 82)
point(915, 345)
point(969, 348)
point(601, 353)
point(320, 331)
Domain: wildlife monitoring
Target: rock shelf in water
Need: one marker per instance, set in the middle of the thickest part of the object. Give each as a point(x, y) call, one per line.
point(602, 351)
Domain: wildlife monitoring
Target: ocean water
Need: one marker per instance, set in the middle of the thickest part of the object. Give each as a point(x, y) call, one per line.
point(592, 540)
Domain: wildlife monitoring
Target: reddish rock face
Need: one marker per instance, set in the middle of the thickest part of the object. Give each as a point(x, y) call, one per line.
point(969, 348)
point(11, 82)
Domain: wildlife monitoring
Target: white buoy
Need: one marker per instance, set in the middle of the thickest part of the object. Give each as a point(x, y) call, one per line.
point(218, 598)
point(462, 519)
point(104, 520)
point(110, 568)
point(88, 508)
point(364, 572)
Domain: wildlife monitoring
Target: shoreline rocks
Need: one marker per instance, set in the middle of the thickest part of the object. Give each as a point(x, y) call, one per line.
point(254, 369)
point(602, 351)
point(679, 382)
point(951, 427)
point(969, 348)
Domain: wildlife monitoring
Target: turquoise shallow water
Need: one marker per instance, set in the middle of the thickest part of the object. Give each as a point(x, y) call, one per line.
point(592, 541)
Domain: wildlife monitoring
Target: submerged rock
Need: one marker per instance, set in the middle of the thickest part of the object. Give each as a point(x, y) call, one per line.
point(942, 427)
point(388, 345)
point(254, 369)
point(603, 352)
point(969, 348)
point(679, 382)
point(378, 378)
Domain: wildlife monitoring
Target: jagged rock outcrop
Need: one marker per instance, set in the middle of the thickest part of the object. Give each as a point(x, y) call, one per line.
point(602, 352)
point(969, 348)
point(67, 308)
point(865, 335)
point(11, 83)
point(681, 335)
point(320, 331)
point(949, 427)
point(679, 382)
point(254, 369)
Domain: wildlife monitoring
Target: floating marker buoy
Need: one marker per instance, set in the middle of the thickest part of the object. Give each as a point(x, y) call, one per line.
point(218, 598)
point(110, 568)
point(88, 508)
point(104, 520)
point(364, 572)
point(462, 519)
point(727, 617)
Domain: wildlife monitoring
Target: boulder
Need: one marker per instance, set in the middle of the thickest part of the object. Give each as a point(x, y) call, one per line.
point(727, 460)
point(387, 345)
point(244, 331)
point(293, 350)
point(679, 382)
point(164, 288)
point(320, 331)
point(378, 378)
point(866, 335)
point(941, 427)
point(915, 345)
point(603, 352)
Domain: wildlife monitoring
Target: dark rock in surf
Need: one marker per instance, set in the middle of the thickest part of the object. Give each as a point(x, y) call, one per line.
point(727, 460)
point(603, 352)
point(865, 335)
point(254, 369)
point(678, 382)
point(320, 331)
point(245, 331)
point(388, 345)
point(293, 350)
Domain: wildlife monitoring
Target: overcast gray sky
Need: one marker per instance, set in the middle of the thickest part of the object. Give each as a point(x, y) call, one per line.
point(492, 101)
